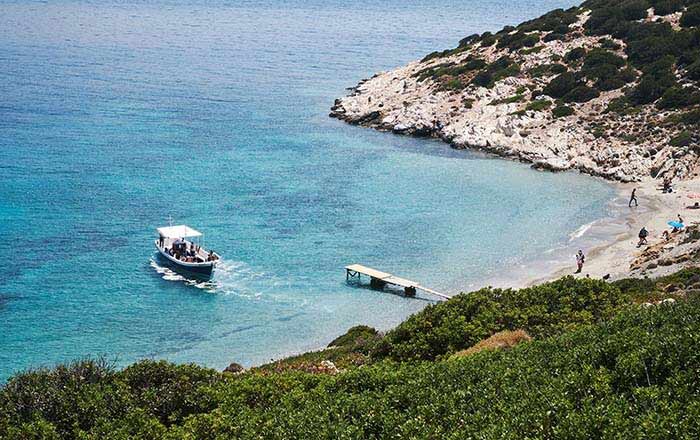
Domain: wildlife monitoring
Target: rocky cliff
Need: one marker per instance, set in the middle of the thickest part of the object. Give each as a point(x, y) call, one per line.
point(608, 88)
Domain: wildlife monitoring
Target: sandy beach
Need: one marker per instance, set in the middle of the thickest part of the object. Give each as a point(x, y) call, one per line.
point(655, 210)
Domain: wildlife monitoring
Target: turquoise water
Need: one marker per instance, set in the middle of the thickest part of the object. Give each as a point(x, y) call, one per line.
point(115, 115)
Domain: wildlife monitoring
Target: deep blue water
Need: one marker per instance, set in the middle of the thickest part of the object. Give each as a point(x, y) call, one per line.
point(115, 115)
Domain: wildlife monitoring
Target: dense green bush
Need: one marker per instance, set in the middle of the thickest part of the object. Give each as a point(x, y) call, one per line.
point(575, 54)
point(501, 68)
point(691, 17)
point(547, 70)
point(600, 62)
point(561, 85)
point(679, 97)
point(538, 105)
point(691, 118)
point(682, 139)
point(357, 335)
point(665, 7)
point(634, 9)
point(553, 36)
point(562, 111)
point(488, 39)
point(634, 376)
point(581, 93)
point(607, 43)
point(461, 322)
point(557, 20)
point(693, 71)
point(518, 40)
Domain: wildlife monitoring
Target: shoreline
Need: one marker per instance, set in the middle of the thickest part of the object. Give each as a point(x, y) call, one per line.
point(617, 255)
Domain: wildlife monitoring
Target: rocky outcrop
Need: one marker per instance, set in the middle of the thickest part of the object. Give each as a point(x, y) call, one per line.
point(234, 368)
point(681, 249)
point(511, 120)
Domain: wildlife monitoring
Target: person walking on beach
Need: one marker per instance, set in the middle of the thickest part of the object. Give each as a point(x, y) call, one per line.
point(580, 259)
point(633, 198)
point(643, 234)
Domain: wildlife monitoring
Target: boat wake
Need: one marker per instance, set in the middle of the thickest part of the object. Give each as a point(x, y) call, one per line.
point(230, 278)
point(170, 275)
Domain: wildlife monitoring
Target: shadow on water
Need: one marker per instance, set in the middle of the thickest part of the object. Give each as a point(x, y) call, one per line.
point(388, 289)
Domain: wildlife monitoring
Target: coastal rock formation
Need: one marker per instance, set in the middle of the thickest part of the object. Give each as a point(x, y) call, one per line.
point(561, 92)
point(234, 368)
point(681, 250)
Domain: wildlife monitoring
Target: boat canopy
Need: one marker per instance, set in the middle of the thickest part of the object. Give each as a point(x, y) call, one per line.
point(179, 231)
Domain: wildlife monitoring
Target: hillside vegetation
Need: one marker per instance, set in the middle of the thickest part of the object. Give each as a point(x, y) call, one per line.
point(598, 367)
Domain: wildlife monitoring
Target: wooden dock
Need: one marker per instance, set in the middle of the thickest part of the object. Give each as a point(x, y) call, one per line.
point(379, 279)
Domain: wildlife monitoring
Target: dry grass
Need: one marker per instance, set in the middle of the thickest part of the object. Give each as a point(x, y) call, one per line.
point(504, 339)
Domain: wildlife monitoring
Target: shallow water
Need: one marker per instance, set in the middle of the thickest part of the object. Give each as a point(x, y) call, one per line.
point(116, 115)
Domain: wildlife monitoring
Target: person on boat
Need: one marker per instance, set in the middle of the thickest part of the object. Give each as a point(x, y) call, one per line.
point(580, 259)
point(161, 240)
point(633, 198)
point(643, 234)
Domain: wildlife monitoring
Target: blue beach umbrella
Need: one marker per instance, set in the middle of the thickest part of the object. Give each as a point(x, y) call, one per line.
point(675, 224)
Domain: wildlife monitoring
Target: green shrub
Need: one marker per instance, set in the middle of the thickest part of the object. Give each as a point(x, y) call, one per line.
point(469, 41)
point(615, 80)
point(581, 93)
point(650, 89)
point(509, 100)
point(553, 36)
point(501, 68)
point(547, 69)
point(531, 50)
point(488, 39)
point(691, 16)
point(560, 85)
point(562, 111)
point(609, 83)
point(518, 40)
point(597, 58)
point(693, 71)
point(607, 43)
point(575, 54)
point(168, 392)
point(454, 84)
point(665, 7)
point(357, 335)
point(690, 118)
point(682, 139)
point(69, 398)
point(538, 105)
point(646, 289)
point(556, 20)
point(620, 105)
point(678, 97)
point(633, 376)
point(466, 319)
point(634, 9)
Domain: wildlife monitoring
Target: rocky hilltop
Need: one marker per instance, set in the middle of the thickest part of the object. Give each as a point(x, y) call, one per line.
point(609, 88)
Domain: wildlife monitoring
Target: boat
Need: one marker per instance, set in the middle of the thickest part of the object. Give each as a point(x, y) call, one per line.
point(182, 247)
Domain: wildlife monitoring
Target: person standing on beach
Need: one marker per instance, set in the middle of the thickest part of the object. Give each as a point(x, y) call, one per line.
point(580, 259)
point(633, 198)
